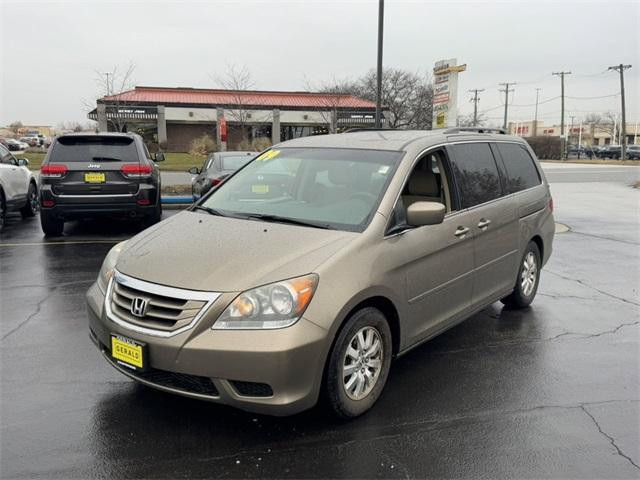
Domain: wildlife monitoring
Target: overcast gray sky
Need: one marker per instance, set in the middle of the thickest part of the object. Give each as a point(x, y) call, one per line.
point(50, 50)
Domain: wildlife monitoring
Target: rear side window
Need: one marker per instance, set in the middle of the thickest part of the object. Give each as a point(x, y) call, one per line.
point(235, 162)
point(520, 167)
point(476, 173)
point(94, 149)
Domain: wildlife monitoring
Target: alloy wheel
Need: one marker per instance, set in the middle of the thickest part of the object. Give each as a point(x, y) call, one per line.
point(529, 274)
point(362, 363)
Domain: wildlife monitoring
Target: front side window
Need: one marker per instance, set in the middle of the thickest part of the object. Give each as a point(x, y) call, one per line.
point(235, 162)
point(93, 148)
point(476, 173)
point(324, 187)
point(521, 171)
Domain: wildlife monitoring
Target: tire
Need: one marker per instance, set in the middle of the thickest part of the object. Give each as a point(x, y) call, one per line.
point(51, 226)
point(154, 217)
point(32, 206)
point(528, 279)
point(3, 210)
point(345, 400)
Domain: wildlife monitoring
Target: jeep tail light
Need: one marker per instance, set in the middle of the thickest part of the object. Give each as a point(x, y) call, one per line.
point(136, 171)
point(53, 170)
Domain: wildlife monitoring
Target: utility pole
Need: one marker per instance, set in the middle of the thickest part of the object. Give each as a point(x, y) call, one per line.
point(561, 75)
point(106, 74)
point(379, 71)
point(570, 129)
point(535, 118)
point(623, 128)
point(475, 101)
point(506, 100)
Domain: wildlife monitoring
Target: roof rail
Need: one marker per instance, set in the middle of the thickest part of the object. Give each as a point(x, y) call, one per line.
point(365, 129)
point(501, 131)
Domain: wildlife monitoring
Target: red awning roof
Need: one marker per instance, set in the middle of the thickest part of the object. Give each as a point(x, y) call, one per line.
point(197, 96)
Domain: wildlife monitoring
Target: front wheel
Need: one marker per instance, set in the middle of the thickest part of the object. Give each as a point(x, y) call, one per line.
point(528, 279)
point(359, 363)
point(31, 207)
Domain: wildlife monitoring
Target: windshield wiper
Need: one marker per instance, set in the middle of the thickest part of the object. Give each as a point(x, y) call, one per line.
point(210, 211)
point(105, 159)
point(290, 221)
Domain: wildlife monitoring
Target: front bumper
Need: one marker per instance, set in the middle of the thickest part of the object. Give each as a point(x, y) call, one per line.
point(290, 361)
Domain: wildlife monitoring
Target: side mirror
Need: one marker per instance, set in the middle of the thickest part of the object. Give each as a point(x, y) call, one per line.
point(158, 157)
point(425, 213)
point(23, 162)
point(194, 171)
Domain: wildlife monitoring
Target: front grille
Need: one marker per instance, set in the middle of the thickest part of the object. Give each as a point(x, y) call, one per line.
point(252, 389)
point(162, 312)
point(178, 381)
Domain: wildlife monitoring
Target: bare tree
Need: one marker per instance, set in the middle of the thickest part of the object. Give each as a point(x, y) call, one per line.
point(608, 123)
point(111, 85)
point(237, 80)
point(335, 94)
point(467, 120)
point(407, 96)
point(15, 126)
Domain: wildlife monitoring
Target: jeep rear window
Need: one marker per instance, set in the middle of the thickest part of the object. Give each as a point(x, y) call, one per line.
point(94, 149)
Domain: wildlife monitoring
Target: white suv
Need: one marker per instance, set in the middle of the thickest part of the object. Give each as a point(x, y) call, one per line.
point(18, 190)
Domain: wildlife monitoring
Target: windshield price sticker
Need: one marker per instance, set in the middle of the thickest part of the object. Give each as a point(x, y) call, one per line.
point(268, 155)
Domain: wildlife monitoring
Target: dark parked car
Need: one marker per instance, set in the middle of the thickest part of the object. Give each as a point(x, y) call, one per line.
point(86, 175)
point(611, 151)
point(216, 168)
point(633, 152)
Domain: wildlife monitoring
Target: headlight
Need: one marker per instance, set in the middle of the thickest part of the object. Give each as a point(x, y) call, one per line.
point(276, 305)
point(108, 266)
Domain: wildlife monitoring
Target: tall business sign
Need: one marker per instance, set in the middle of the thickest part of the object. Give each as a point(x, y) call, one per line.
point(445, 92)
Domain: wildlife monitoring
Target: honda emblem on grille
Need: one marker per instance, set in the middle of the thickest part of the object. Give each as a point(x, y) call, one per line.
point(139, 306)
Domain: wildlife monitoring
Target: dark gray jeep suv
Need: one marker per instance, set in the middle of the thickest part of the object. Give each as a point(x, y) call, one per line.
point(85, 175)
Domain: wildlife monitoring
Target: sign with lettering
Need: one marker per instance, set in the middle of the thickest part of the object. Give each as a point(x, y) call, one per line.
point(445, 92)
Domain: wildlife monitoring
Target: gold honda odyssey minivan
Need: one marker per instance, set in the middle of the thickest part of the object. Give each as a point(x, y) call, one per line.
point(308, 270)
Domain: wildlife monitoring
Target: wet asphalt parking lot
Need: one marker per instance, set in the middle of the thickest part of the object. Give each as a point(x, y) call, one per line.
point(552, 391)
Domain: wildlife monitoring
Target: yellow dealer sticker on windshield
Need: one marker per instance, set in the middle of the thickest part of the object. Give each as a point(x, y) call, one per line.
point(268, 155)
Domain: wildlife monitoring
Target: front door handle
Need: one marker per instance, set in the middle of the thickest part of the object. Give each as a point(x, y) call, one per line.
point(461, 231)
point(483, 223)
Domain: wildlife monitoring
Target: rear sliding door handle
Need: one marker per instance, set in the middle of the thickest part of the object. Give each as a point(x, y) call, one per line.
point(483, 223)
point(461, 231)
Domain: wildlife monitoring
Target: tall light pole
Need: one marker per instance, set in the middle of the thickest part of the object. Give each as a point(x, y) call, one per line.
point(561, 75)
point(535, 118)
point(379, 69)
point(623, 127)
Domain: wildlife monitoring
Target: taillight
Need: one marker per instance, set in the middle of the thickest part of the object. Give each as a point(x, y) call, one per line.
point(551, 204)
point(136, 171)
point(216, 181)
point(53, 170)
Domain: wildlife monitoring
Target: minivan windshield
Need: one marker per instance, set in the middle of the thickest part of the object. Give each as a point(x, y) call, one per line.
point(324, 187)
point(93, 148)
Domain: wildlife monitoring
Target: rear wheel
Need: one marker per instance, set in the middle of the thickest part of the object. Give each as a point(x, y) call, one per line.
point(154, 217)
point(528, 279)
point(359, 363)
point(31, 207)
point(51, 226)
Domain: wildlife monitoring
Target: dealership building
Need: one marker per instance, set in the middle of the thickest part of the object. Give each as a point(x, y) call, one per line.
point(173, 117)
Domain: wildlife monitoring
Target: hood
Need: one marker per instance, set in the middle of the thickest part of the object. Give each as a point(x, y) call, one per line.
point(198, 251)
